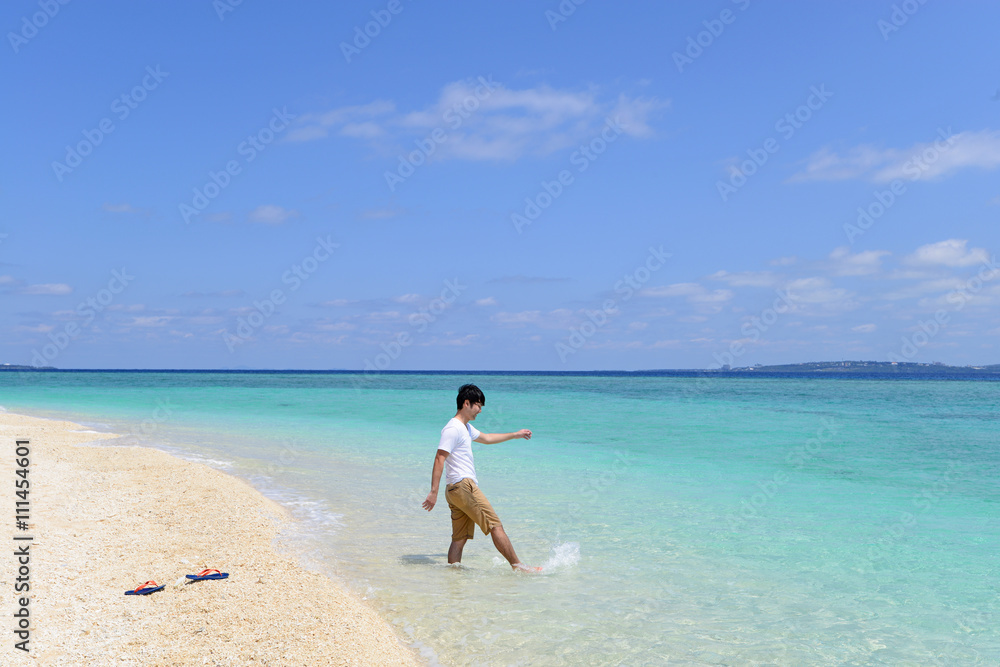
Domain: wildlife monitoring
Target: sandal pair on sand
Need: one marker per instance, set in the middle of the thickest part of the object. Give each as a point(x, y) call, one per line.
point(152, 586)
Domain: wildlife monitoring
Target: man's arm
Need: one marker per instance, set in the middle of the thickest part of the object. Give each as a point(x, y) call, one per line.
point(432, 497)
point(494, 438)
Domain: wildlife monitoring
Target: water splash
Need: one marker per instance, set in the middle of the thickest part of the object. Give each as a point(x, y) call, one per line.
point(564, 556)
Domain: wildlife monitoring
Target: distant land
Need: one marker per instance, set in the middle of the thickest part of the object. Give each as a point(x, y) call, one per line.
point(866, 368)
point(841, 368)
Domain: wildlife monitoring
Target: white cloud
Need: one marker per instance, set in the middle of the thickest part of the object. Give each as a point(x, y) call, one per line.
point(523, 317)
point(926, 287)
point(270, 214)
point(860, 264)
point(337, 326)
point(748, 278)
point(488, 301)
point(714, 296)
point(484, 120)
point(965, 295)
point(948, 253)
point(677, 289)
point(38, 328)
point(49, 289)
point(922, 161)
point(558, 318)
point(384, 316)
point(407, 298)
point(864, 328)
point(150, 321)
point(366, 130)
point(468, 339)
point(704, 299)
point(317, 125)
point(819, 291)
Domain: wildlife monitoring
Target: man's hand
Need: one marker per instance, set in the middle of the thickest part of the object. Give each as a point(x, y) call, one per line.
point(523, 433)
point(430, 502)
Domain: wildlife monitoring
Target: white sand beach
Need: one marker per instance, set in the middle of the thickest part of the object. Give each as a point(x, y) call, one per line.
point(105, 519)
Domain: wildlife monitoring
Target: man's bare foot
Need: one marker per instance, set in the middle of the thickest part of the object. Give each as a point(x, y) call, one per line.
point(521, 567)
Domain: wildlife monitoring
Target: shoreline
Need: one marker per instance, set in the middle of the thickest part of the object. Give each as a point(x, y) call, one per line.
point(107, 518)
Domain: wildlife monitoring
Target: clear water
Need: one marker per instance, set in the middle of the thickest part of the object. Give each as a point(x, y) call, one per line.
point(723, 521)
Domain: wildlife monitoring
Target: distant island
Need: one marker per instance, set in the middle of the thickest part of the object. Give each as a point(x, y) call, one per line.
point(865, 367)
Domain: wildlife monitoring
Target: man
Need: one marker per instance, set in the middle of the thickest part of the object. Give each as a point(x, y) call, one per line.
point(469, 507)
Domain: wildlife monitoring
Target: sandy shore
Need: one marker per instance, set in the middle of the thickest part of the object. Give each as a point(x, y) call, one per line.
point(106, 519)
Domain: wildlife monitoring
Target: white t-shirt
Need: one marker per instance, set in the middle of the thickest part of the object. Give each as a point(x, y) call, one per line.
point(456, 439)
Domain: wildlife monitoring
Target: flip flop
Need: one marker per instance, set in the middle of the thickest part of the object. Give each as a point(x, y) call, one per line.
point(207, 574)
point(146, 588)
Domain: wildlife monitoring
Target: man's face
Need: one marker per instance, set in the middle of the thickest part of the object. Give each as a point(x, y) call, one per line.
point(473, 409)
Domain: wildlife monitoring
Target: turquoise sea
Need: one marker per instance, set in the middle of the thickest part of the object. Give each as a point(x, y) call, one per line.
point(681, 520)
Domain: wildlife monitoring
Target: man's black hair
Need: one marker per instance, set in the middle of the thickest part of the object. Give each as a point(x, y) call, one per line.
point(470, 393)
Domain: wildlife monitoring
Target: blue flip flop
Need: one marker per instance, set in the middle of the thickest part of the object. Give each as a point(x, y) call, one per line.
point(146, 588)
point(207, 574)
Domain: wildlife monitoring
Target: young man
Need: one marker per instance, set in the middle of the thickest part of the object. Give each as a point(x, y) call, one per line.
point(469, 507)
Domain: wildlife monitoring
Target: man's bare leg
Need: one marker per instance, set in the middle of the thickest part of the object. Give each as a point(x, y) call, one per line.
point(506, 549)
point(455, 551)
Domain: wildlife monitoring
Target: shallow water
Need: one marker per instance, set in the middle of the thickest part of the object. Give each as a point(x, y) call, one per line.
point(701, 521)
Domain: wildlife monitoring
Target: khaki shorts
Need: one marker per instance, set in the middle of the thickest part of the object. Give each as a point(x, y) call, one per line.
point(469, 508)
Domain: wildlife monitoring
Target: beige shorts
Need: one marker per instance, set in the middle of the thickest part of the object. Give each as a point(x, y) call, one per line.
point(469, 508)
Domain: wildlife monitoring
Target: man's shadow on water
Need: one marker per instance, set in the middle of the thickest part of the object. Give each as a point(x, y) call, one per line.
point(422, 559)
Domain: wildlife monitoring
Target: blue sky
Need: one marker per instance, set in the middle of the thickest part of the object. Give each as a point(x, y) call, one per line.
point(517, 185)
